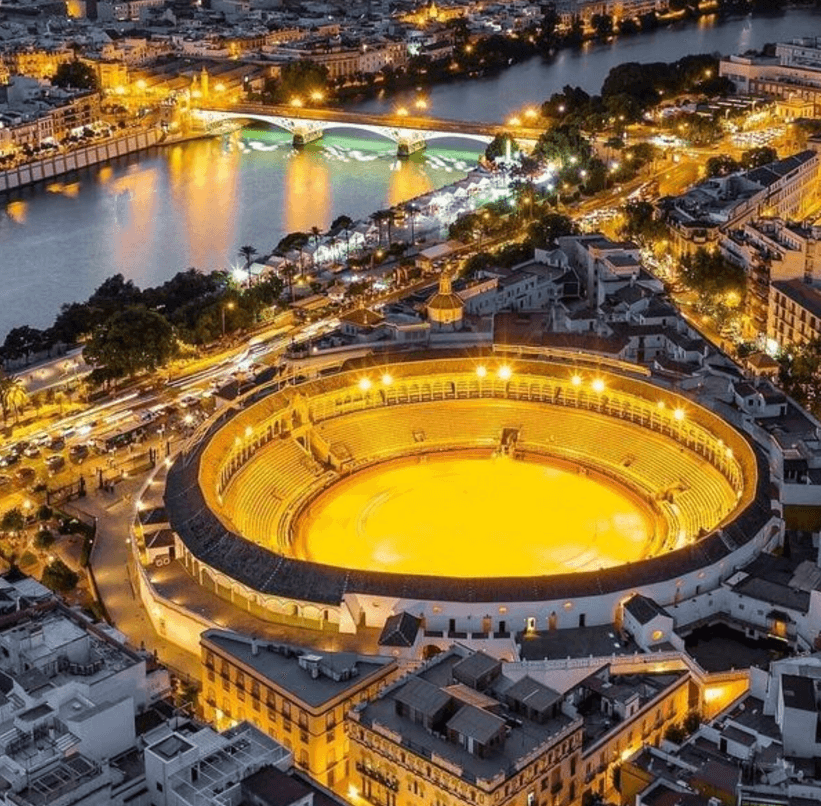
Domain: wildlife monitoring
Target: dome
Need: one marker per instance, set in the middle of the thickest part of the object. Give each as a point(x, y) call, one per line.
point(445, 299)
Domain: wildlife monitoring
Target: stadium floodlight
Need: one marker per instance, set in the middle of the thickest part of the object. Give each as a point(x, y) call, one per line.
point(598, 385)
point(505, 372)
point(364, 384)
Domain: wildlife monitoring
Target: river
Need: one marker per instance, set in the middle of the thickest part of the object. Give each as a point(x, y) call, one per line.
point(195, 204)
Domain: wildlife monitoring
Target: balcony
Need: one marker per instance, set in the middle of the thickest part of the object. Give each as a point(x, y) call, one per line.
point(389, 782)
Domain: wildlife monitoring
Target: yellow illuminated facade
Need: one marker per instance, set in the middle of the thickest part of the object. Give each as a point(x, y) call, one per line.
point(387, 771)
point(234, 691)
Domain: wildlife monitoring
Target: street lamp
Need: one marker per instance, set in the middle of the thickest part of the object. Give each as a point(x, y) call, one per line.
point(402, 112)
point(230, 307)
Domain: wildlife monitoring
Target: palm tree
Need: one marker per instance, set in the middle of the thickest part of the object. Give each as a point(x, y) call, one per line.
point(13, 396)
point(248, 253)
point(289, 270)
point(380, 216)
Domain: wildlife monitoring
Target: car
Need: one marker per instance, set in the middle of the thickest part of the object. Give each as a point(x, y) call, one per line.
point(32, 452)
point(20, 447)
point(56, 444)
point(25, 475)
point(77, 453)
point(9, 459)
point(187, 401)
point(55, 464)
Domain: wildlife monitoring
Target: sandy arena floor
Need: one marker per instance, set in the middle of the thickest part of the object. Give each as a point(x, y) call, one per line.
point(474, 518)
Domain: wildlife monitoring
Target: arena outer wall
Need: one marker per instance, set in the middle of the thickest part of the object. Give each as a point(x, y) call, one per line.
point(279, 588)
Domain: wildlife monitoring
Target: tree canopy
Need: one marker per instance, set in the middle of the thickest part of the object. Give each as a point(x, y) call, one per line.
point(75, 74)
point(132, 340)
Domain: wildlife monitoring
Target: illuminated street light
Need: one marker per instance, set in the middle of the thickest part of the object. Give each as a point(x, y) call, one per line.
point(678, 414)
point(364, 384)
point(297, 102)
point(576, 380)
point(505, 372)
point(421, 103)
point(402, 112)
point(387, 380)
point(317, 95)
point(530, 113)
point(481, 371)
point(514, 121)
point(598, 385)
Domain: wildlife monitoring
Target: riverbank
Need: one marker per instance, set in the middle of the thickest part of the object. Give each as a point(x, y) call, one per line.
point(66, 163)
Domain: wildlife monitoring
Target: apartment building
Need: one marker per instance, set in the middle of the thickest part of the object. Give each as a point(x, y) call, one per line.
point(794, 315)
point(296, 696)
point(459, 731)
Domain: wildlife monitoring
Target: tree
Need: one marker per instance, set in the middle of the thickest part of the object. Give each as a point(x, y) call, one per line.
point(498, 146)
point(22, 341)
point(800, 374)
point(248, 253)
point(641, 224)
point(710, 275)
point(59, 577)
point(756, 157)
point(131, 341)
point(12, 521)
point(13, 395)
point(44, 539)
point(75, 74)
point(722, 165)
point(602, 25)
point(288, 271)
point(542, 234)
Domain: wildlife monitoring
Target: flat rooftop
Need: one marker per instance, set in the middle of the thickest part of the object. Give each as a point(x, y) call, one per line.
point(280, 664)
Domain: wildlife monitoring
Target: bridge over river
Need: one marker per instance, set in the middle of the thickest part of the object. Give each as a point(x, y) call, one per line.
point(410, 133)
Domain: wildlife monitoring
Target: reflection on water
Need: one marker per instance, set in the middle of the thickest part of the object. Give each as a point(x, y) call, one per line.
point(194, 205)
point(531, 82)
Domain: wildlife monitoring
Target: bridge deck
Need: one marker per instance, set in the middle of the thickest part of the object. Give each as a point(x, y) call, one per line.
point(407, 123)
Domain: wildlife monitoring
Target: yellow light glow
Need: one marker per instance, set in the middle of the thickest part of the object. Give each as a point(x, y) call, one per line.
point(402, 112)
point(421, 103)
point(598, 385)
point(530, 113)
point(387, 380)
point(441, 517)
point(678, 414)
point(481, 371)
point(505, 372)
point(248, 430)
point(514, 121)
point(364, 384)
point(297, 102)
point(576, 380)
point(141, 85)
point(220, 87)
point(317, 95)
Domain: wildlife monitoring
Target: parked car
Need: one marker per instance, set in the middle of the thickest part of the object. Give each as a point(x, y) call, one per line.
point(57, 444)
point(9, 459)
point(25, 475)
point(55, 464)
point(32, 452)
point(77, 453)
